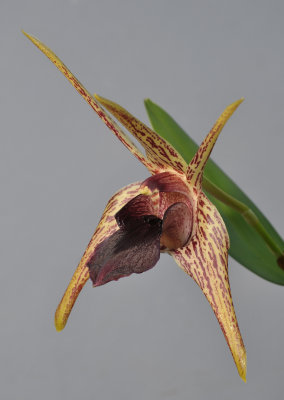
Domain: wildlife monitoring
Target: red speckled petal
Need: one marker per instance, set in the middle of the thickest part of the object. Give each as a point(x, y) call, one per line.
point(197, 164)
point(205, 259)
point(177, 226)
point(158, 150)
point(105, 229)
point(93, 103)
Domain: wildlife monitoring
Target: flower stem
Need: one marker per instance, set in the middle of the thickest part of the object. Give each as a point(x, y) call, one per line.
point(248, 215)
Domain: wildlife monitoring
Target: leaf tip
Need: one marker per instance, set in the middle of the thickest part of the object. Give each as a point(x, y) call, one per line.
point(147, 101)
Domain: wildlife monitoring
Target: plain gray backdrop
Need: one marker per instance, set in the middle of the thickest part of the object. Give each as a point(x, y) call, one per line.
point(150, 336)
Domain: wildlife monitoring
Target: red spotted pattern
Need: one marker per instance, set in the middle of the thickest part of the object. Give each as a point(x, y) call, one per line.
point(94, 104)
point(196, 167)
point(107, 226)
point(158, 150)
point(205, 259)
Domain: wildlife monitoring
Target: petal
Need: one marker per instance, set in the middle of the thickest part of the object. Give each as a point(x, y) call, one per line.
point(197, 164)
point(127, 251)
point(177, 226)
point(105, 229)
point(205, 259)
point(93, 103)
point(166, 189)
point(158, 150)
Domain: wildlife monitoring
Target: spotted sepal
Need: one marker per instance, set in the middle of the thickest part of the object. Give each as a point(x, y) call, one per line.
point(205, 259)
point(197, 164)
point(122, 136)
point(107, 226)
point(158, 150)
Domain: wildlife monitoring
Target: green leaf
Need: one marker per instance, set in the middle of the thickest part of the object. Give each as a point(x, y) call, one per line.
point(247, 246)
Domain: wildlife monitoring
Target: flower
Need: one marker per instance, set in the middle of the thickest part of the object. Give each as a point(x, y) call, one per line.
point(168, 212)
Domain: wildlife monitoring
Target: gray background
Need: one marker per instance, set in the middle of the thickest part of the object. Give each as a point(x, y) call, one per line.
point(151, 336)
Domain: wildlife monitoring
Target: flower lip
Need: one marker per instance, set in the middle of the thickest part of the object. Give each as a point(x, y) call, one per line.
point(139, 206)
point(134, 248)
point(147, 224)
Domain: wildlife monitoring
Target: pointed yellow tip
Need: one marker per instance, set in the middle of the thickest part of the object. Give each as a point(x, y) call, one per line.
point(58, 322)
point(98, 98)
point(236, 104)
point(58, 327)
point(104, 102)
point(27, 35)
point(240, 100)
point(242, 365)
point(79, 278)
point(243, 376)
point(40, 45)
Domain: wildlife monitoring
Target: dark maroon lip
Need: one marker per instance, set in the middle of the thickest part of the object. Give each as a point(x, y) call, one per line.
point(135, 247)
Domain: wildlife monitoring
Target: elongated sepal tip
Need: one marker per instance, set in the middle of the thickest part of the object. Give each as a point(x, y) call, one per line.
point(98, 97)
point(242, 367)
point(59, 327)
point(232, 107)
point(239, 101)
point(58, 323)
point(26, 34)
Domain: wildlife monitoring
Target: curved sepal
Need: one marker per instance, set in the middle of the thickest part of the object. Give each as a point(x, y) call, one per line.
point(158, 150)
point(197, 164)
point(107, 226)
point(122, 136)
point(205, 259)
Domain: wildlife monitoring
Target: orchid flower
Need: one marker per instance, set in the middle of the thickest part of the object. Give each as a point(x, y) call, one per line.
point(167, 212)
